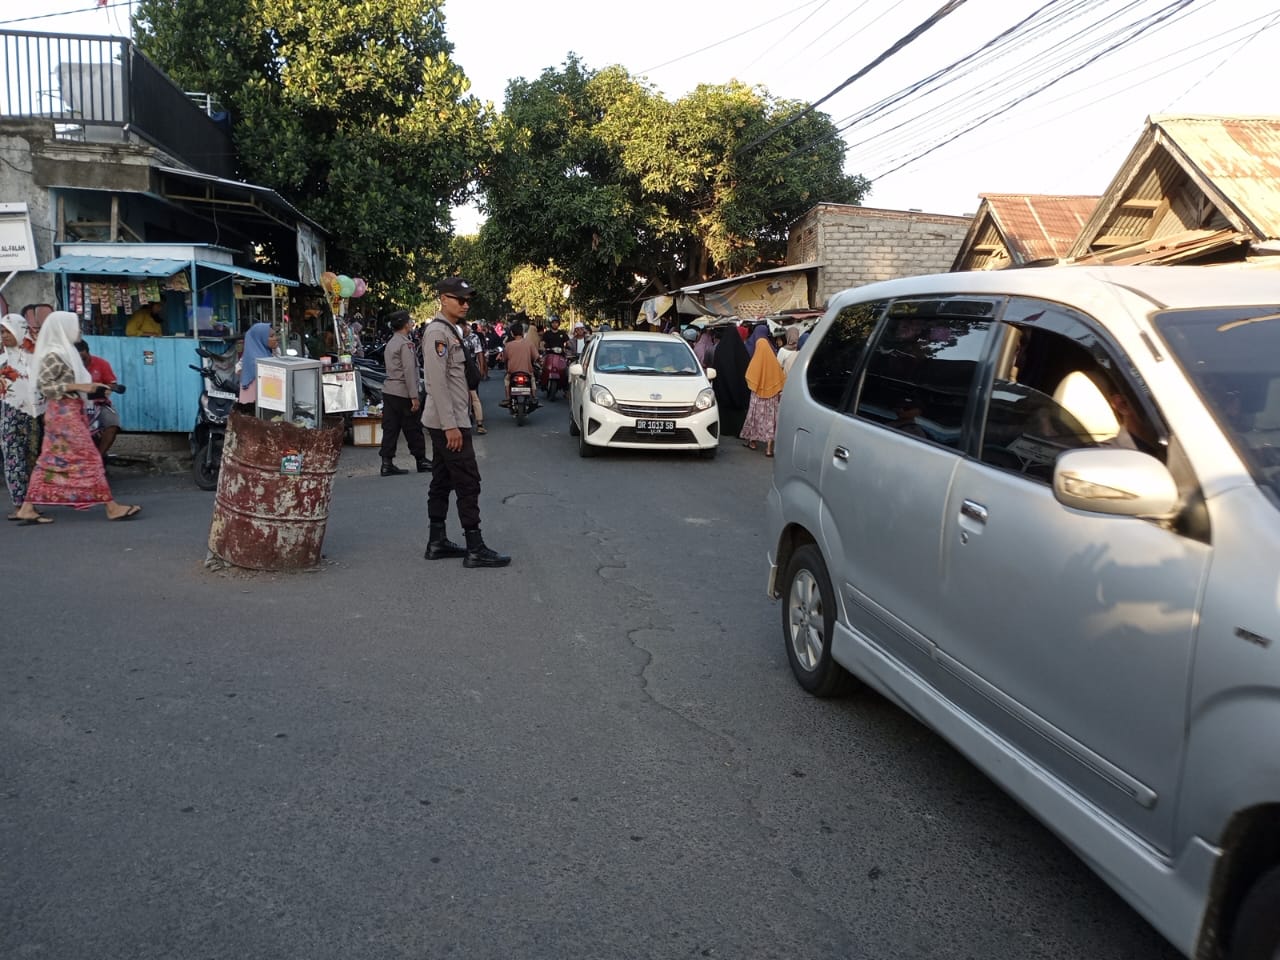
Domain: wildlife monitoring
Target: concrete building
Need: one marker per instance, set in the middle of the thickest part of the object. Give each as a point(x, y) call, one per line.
point(857, 245)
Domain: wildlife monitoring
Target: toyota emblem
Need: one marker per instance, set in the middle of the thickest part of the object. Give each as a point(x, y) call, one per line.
point(655, 396)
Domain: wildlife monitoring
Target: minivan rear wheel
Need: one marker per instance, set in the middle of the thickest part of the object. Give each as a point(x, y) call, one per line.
point(808, 618)
point(1256, 935)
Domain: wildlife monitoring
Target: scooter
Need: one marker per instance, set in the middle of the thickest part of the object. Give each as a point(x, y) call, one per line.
point(524, 396)
point(217, 399)
point(555, 373)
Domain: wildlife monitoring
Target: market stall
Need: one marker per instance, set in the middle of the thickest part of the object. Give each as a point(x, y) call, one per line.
point(145, 307)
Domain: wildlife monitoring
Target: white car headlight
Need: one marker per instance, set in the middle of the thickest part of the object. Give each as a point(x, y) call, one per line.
point(706, 399)
point(601, 397)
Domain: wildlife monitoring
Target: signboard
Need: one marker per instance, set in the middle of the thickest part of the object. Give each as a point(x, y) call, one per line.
point(17, 247)
point(271, 387)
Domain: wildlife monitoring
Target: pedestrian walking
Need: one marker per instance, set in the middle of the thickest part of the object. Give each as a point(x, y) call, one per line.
point(400, 404)
point(20, 406)
point(765, 380)
point(69, 470)
point(447, 417)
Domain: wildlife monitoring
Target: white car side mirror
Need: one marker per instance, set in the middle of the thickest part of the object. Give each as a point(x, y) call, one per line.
point(711, 373)
point(1115, 481)
point(575, 369)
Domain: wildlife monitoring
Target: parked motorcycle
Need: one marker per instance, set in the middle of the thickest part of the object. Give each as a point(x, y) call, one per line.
point(218, 397)
point(524, 396)
point(555, 373)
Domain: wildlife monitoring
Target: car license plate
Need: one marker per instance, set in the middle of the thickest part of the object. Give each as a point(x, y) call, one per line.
point(655, 426)
point(521, 391)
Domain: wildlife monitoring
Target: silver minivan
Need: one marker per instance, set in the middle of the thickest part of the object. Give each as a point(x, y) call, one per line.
point(1040, 510)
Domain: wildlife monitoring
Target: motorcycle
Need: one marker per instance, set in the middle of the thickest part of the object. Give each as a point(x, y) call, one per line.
point(555, 373)
point(217, 399)
point(524, 396)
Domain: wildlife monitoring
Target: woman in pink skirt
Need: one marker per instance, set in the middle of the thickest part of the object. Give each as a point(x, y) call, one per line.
point(69, 470)
point(764, 379)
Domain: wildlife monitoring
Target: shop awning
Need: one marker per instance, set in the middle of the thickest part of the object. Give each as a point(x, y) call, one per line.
point(150, 267)
point(246, 273)
point(115, 266)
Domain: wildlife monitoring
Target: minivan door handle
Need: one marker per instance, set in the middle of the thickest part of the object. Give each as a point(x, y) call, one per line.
point(841, 453)
point(974, 511)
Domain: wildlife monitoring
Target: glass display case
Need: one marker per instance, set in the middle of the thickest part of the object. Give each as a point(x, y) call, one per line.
point(290, 388)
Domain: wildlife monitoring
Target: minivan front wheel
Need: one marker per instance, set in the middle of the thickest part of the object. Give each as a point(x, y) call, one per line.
point(1256, 935)
point(808, 619)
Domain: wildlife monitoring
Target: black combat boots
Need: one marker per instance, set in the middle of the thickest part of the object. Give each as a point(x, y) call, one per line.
point(440, 547)
point(389, 468)
point(478, 555)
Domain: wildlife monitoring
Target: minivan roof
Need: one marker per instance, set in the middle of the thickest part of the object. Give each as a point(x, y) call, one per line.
point(1165, 287)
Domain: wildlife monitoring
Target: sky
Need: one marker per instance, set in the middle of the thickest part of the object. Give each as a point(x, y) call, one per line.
point(936, 149)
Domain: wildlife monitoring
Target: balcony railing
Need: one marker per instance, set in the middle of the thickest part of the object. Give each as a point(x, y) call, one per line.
point(104, 90)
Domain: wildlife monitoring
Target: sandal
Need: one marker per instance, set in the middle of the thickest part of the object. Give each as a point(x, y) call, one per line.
point(39, 518)
point(480, 429)
point(129, 514)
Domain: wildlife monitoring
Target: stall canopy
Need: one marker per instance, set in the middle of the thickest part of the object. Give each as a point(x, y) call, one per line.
point(750, 294)
point(151, 267)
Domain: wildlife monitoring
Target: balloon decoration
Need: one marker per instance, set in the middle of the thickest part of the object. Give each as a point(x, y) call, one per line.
point(329, 282)
point(361, 287)
point(346, 286)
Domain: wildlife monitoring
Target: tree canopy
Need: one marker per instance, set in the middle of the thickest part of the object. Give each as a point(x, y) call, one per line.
point(599, 173)
point(353, 109)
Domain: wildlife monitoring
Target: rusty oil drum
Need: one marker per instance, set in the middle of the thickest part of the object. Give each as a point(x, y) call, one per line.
point(274, 488)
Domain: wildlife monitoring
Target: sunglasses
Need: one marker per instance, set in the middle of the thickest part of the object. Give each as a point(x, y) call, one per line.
point(454, 296)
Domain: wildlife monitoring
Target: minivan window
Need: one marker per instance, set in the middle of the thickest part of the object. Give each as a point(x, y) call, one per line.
point(921, 371)
point(1050, 394)
point(835, 359)
point(1232, 356)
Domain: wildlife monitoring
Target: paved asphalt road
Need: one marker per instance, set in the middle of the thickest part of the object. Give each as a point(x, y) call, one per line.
point(598, 752)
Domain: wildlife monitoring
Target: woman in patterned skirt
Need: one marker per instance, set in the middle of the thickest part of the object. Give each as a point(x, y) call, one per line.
point(764, 379)
point(20, 405)
point(69, 470)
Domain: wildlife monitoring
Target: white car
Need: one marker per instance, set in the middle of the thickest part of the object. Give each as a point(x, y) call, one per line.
point(642, 391)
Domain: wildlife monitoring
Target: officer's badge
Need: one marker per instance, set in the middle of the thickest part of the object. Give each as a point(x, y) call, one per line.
point(442, 347)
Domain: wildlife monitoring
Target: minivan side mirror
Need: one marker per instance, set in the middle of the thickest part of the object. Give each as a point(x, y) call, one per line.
point(711, 373)
point(1114, 480)
point(575, 369)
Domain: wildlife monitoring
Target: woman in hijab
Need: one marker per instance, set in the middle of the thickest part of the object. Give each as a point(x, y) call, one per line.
point(69, 470)
point(702, 347)
point(789, 350)
point(20, 405)
point(764, 379)
point(729, 359)
point(259, 341)
point(761, 332)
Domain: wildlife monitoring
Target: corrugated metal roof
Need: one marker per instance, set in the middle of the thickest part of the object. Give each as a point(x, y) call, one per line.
point(1039, 227)
point(1241, 156)
point(115, 266)
point(149, 267)
point(743, 278)
point(246, 273)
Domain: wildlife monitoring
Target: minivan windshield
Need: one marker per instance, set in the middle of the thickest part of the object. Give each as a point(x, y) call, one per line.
point(1232, 356)
point(666, 358)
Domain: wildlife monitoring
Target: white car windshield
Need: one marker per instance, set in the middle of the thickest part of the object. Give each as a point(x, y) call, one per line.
point(1232, 355)
point(663, 358)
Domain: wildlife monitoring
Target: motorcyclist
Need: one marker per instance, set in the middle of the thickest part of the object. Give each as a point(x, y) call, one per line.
point(554, 337)
point(520, 356)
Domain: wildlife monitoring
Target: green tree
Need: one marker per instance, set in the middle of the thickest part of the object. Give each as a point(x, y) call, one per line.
point(599, 173)
point(538, 291)
point(352, 109)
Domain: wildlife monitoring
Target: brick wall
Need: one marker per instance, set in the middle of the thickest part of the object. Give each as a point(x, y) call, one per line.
point(858, 245)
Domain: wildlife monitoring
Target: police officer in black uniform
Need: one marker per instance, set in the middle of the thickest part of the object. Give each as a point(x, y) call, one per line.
point(447, 416)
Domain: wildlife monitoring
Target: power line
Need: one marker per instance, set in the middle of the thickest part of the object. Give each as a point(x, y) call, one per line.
point(1141, 28)
point(947, 8)
point(718, 43)
point(64, 13)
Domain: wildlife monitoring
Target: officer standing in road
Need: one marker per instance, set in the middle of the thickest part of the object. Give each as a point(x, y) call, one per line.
point(447, 417)
point(400, 399)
